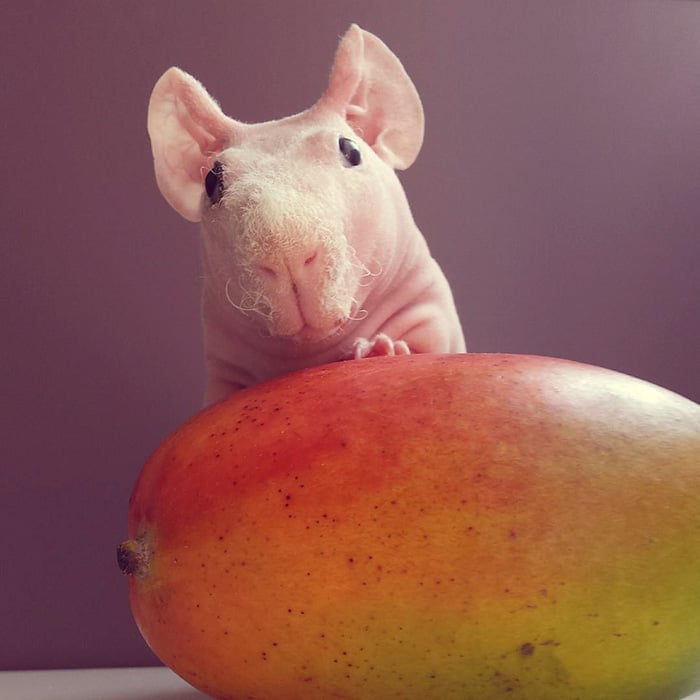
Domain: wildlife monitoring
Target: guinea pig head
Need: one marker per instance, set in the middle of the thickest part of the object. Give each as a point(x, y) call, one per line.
point(299, 216)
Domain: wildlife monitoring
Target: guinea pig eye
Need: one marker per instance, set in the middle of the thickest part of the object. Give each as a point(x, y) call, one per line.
point(350, 151)
point(214, 182)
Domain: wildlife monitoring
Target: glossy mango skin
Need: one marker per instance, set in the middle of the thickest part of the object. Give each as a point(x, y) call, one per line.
point(428, 527)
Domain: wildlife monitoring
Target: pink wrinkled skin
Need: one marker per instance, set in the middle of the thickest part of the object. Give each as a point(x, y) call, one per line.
point(307, 258)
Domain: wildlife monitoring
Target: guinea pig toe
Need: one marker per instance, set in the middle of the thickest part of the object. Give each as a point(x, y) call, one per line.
point(361, 348)
point(401, 348)
point(381, 344)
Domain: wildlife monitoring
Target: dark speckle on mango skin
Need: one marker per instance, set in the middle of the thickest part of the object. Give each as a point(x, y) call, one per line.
point(527, 649)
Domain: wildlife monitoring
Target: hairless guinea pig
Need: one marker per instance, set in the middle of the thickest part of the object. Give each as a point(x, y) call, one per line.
point(309, 250)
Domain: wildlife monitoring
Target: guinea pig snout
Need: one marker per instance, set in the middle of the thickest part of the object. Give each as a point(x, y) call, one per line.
point(295, 265)
point(307, 287)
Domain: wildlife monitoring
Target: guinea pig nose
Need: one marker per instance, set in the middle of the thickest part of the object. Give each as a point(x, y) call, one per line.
point(267, 271)
point(310, 259)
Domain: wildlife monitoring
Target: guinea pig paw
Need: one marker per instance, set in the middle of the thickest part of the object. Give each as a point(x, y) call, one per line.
point(380, 345)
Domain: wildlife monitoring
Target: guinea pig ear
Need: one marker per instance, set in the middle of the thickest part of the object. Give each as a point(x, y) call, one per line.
point(370, 87)
point(187, 130)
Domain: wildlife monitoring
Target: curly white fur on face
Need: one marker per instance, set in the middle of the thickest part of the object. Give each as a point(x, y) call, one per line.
point(294, 265)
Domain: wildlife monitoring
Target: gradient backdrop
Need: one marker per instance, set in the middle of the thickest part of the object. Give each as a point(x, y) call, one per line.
point(559, 187)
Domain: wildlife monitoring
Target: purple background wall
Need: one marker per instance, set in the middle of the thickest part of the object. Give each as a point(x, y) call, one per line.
point(559, 186)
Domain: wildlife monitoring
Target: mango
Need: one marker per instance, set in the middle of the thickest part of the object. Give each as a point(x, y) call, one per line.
point(426, 527)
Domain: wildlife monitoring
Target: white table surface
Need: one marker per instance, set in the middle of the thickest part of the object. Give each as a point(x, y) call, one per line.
point(104, 684)
point(96, 684)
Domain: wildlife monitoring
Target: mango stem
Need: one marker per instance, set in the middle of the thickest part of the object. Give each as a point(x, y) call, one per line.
point(134, 557)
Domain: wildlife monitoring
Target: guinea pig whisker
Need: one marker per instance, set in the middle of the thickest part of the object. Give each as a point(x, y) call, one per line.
point(253, 301)
point(356, 313)
point(366, 272)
